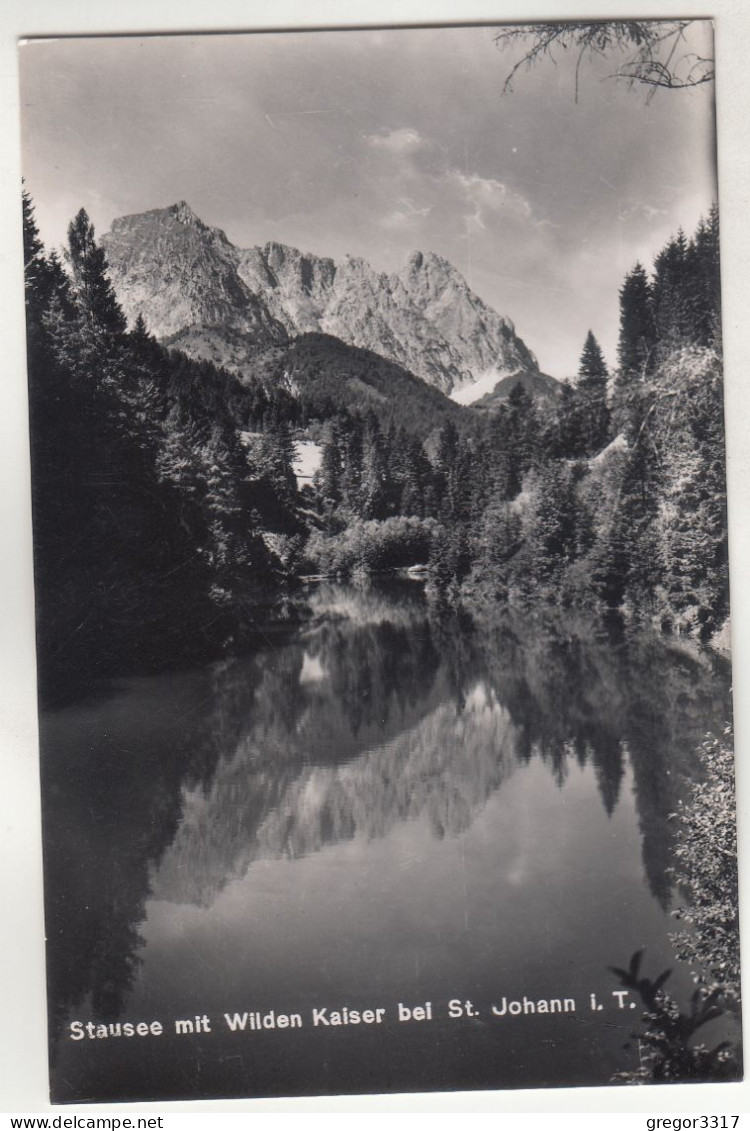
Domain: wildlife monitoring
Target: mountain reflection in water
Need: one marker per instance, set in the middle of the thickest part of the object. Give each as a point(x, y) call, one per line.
point(422, 783)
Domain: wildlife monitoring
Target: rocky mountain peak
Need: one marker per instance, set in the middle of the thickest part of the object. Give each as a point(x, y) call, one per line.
point(184, 214)
point(277, 254)
point(429, 262)
point(177, 272)
point(426, 277)
point(356, 265)
point(160, 223)
point(192, 284)
point(289, 269)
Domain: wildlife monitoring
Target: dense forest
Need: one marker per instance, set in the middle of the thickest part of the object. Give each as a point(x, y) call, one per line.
point(167, 512)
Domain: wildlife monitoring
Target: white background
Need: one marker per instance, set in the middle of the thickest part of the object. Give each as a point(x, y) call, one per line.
point(23, 1068)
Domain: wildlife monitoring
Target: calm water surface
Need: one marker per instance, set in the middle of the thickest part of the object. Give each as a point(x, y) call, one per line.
point(373, 809)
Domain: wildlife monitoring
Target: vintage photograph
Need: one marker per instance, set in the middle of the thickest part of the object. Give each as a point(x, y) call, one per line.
point(380, 553)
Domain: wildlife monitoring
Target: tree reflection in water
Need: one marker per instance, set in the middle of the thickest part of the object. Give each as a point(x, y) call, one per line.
point(371, 715)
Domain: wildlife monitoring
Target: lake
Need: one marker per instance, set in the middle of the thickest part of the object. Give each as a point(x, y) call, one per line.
point(439, 834)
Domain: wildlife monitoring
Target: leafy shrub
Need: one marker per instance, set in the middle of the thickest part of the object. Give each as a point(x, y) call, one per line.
point(371, 546)
point(667, 1053)
point(707, 874)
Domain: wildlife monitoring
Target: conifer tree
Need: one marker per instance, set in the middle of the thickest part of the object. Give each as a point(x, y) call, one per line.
point(497, 543)
point(417, 489)
point(446, 467)
point(551, 536)
point(704, 287)
point(331, 467)
point(373, 487)
point(143, 545)
point(515, 442)
point(673, 317)
point(351, 475)
point(566, 439)
point(592, 366)
point(33, 249)
point(96, 300)
point(637, 330)
point(592, 396)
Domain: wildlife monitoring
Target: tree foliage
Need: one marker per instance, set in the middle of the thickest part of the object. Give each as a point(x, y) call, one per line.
point(95, 299)
point(637, 342)
point(592, 367)
point(146, 548)
point(669, 1054)
point(371, 546)
point(706, 873)
point(651, 53)
point(632, 472)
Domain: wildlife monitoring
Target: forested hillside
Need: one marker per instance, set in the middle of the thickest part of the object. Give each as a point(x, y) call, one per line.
point(166, 509)
point(327, 376)
point(621, 497)
point(151, 531)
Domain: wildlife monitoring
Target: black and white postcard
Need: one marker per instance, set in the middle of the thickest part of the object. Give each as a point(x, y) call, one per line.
point(380, 551)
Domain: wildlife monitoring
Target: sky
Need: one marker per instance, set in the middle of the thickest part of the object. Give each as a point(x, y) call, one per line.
point(378, 143)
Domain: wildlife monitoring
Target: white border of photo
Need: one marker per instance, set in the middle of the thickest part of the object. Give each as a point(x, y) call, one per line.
point(23, 1052)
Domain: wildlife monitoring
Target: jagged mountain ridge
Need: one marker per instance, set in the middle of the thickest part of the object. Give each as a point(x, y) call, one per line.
point(188, 279)
point(174, 270)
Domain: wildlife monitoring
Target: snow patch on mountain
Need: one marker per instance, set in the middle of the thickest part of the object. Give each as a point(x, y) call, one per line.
point(481, 386)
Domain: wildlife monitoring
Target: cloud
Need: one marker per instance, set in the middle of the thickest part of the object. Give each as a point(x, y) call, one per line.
point(406, 214)
point(396, 219)
point(401, 141)
point(417, 169)
point(486, 198)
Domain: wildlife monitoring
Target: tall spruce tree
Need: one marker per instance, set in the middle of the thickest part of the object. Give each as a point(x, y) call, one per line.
point(566, 438)
point(101, 313)
point(331, 471)
point(373, 485)
point(637, 330)
point(670, 290)
point(592, 396)
point(34, 262)
point(551, 538)
point(592, 366)
point(704, 286)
